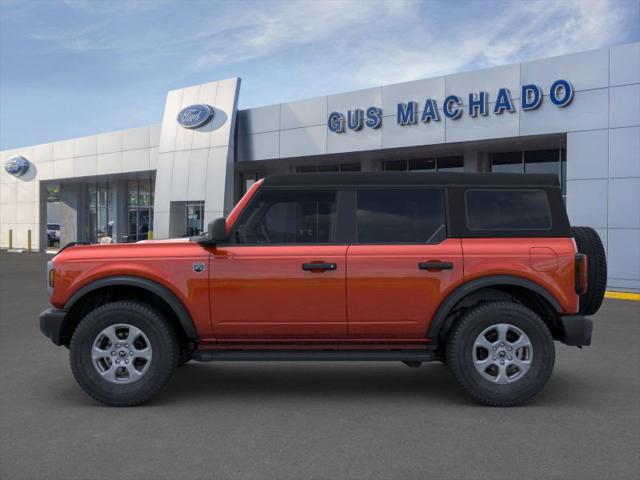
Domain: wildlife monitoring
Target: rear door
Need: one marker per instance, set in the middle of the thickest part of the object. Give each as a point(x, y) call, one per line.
point(284, 276)
point(401, 265)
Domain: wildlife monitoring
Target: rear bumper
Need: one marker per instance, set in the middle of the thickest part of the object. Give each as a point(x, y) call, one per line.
point(52, 323)
point(575, 330)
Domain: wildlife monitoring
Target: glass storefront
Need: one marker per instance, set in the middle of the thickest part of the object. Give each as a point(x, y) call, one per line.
point(139, 209)
point(435, 164)
point(194, 218)
point(100, 212)
point(553, 161)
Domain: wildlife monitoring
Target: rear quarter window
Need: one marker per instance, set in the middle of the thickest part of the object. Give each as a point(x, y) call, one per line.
point(507, 209)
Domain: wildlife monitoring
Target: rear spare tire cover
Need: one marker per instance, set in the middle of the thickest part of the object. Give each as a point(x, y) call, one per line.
point(588, 242)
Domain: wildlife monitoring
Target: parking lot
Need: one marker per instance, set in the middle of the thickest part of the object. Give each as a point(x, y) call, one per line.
point(312, 420)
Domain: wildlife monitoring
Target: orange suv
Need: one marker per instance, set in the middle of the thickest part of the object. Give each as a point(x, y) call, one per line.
point(480, 271)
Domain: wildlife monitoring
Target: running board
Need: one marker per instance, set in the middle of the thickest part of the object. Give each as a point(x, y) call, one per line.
point(234, 355)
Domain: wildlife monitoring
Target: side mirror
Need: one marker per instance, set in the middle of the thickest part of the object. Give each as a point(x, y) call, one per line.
point(217, 230)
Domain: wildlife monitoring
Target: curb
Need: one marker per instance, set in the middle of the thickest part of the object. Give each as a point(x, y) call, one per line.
point(623, 296)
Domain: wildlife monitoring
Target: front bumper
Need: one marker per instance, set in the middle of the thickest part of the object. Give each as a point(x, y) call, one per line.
point(575, 330)
point(52, 322)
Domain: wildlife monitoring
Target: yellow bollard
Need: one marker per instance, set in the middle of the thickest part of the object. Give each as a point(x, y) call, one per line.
point(29, 240)
point(150, 235)
point(10, 239)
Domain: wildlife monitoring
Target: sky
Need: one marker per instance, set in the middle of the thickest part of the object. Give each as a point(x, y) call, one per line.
point(70, 68)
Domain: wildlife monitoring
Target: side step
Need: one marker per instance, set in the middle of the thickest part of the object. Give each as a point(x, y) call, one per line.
point(233, 355)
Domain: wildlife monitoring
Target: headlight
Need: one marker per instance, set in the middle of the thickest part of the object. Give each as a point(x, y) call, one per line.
point(51, 277)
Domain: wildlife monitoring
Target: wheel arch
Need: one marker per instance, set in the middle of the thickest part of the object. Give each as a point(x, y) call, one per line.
point(128, 286)
point(540, 298)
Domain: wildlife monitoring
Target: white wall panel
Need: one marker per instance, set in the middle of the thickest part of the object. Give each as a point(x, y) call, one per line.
point(63, 149)
point(625, 106)
point(303, 141)
point(468, 128)
point(588, 111)
point(135, 160)
point(587, 154)
point(357, 99)
point(624, 152)
point(110, 142)
point(305, 113)
point(489, 80)
point(63, 168)
point(394, 135)
point(180, 176)
point(197, 174)
point(417, 90)
point(624, 203)
point(585, 71)
point(587, 202)
point(625, 64)
point(135, 138)
point(258, 120)
point(259, 146)
point(109, 162)
point(43, 153)
point(85, 166)
point(624, 254)
point(85, 146)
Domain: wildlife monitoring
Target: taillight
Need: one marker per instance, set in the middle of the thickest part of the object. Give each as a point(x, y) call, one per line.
point(581, 274)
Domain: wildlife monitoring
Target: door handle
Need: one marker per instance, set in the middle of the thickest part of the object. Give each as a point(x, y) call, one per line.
point(319, 266)
point(435, 265)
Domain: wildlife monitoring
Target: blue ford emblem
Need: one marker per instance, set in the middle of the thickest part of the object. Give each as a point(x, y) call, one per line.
point(195, 116)
point(16, 166)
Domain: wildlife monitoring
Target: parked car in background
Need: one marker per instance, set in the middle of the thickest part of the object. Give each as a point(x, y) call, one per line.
point(53, 234)
point(480, 271)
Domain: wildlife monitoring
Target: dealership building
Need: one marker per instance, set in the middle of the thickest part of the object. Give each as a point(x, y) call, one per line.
point(575, 116)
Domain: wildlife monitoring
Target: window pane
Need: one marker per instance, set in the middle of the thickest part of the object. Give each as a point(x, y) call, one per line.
point(509, 162)
point(400, 165)
point(195, 219)
point(400, 216)
point(289, 217)
point(350, 167)
point(422, 165)
point(451, 164)
point(507, 210)
point(542, 161)
point(328, 168)
point(132, 192)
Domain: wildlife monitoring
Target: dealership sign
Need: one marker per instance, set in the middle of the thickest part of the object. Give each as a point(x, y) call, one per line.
point(560, 94)
point(16, 166)
point(195, 116)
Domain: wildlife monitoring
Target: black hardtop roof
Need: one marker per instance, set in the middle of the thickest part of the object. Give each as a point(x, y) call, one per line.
point(412, 178)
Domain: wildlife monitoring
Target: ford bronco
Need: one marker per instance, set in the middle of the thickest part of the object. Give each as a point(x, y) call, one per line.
point(480, 271)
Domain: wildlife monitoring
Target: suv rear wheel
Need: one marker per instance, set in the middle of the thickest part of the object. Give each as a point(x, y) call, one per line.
point(123, 353)
point(501, 353)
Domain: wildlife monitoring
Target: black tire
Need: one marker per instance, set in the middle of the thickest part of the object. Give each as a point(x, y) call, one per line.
point(588, 242)
point(164, 347)
point(460, 352)
point(185, 357)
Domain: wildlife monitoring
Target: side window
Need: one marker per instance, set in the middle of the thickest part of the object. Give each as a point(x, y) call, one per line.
point(413, 215)
point(287, 217)
point(489, 209)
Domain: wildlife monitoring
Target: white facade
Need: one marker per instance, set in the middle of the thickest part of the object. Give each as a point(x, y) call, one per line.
point(599, 129)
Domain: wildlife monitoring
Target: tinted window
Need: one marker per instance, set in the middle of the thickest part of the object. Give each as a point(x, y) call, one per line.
point(400, 216)
point(281, 217)
point(507, 210)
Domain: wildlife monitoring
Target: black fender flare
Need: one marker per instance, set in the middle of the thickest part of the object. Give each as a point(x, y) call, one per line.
point(163, 292)
point(465, 289)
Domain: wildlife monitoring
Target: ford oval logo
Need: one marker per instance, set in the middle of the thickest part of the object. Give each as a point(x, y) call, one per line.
point(16, 166)
point(195, 116)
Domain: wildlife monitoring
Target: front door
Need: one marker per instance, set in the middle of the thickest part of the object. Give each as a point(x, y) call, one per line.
point(401, 265)
point(282, 276)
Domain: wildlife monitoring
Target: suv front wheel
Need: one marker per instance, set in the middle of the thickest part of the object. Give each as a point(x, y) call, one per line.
point(502, 353)
point(123, 353)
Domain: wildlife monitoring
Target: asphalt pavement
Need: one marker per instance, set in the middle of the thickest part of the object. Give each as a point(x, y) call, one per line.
point(312, 420)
